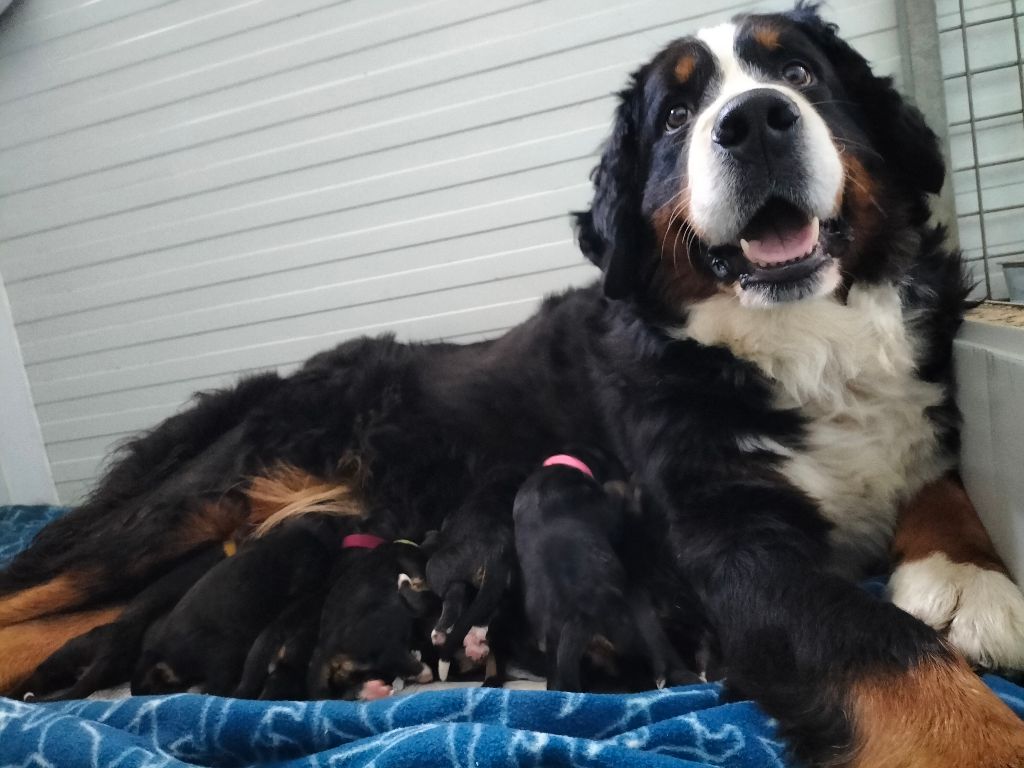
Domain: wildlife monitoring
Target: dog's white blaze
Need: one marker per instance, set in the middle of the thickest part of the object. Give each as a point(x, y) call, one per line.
point(850, 371)
point(712, 207)
point(981, 611)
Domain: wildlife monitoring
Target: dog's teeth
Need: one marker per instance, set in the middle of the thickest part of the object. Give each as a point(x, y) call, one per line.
point(744, 246)
point(442, 670)
point(816, 226)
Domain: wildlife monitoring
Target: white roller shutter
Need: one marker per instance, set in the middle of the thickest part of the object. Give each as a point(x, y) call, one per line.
point(190, 189)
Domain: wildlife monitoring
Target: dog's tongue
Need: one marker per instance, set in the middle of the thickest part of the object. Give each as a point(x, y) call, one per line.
point(776, 248)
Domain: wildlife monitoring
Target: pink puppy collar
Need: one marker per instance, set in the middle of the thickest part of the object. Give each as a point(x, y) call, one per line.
point(361, 541)
point(565, 460)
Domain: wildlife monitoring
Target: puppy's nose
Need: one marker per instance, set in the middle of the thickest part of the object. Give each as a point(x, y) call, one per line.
point(756, 123)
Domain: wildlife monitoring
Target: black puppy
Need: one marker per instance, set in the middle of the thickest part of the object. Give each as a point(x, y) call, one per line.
point(208, 634)
point(472, 568)
point(571, 517)
point(367, 629)
point(278, 662)
point(106, 656)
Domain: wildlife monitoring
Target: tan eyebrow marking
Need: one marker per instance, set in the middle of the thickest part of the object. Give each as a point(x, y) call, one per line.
point(685, 67)
point(767, 36)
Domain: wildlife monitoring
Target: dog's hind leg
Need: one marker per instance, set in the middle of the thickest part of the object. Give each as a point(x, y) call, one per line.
point(55, 594)
point(24, 646)
point(665, 663)
point(478, 615)
point(106, 655)
point(164, 494)
point(572, 644)
point(453, 605)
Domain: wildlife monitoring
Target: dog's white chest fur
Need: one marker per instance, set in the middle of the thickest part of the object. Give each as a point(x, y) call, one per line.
point(850, 370)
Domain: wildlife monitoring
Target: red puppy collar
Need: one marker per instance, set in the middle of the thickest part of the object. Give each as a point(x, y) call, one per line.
point(566, 460)
point(361, 541)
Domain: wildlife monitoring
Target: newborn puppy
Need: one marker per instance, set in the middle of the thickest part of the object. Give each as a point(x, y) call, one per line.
point(472, 568)
point(206, 637)
point(278, 662)
point(570, 517)
point(367, 626)
point(105, 656)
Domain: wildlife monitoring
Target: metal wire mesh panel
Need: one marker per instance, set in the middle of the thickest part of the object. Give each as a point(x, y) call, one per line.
point(981, 43)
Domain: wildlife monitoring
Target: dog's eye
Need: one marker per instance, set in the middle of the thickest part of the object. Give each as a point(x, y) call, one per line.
point(677, 118)
point(798, 74)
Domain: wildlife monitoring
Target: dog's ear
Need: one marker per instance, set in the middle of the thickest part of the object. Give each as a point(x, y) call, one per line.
point(612, 234)
point(897, 129)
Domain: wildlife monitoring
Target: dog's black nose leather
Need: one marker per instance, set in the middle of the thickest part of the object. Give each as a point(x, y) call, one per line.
point(756, 123)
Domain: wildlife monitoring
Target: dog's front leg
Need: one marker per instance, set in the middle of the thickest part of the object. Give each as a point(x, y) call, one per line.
point(949, 575)
point(853, 681)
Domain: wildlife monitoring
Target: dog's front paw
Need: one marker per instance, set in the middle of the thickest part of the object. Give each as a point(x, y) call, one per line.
point(980, 611)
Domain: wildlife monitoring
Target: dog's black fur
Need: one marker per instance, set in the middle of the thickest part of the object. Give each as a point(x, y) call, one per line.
point(569, 532)
point(370, 625)
point(592, 366)
point(209, 633)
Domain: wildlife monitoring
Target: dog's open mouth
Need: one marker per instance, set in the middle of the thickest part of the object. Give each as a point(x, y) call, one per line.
point(781, 244)
point(781, 254)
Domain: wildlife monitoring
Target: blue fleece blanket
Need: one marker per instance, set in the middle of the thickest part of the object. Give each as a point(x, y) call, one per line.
point(682, 727)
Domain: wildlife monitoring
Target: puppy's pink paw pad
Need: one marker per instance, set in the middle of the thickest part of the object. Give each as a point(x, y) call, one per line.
point(373, 690)
point(475, 644)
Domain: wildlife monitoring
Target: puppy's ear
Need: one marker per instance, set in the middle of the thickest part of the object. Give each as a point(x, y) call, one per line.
point(431, 541)
point(897, 129)
point(613, 234)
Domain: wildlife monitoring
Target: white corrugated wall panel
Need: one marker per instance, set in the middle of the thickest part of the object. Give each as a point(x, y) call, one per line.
point(193, 189)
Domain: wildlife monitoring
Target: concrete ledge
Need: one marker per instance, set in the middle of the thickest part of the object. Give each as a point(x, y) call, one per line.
point(989, 359)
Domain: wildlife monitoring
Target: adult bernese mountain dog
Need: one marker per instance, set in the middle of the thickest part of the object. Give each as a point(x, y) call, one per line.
point(769, 353)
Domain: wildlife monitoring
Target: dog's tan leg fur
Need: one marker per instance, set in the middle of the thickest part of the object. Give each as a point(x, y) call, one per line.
point(57, 594)
point(937, 715)
point(941, 518)
point(23, 647)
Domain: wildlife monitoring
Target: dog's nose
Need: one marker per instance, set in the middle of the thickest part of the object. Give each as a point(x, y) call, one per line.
point(755, 123)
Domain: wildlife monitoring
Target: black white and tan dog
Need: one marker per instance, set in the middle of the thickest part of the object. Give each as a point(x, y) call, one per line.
point(769, 354)
point(571, 517)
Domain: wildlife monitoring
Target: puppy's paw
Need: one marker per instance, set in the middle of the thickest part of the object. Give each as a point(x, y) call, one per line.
point(425, 675)
point(374, 689)
point(475, 643)
point(980, 611)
